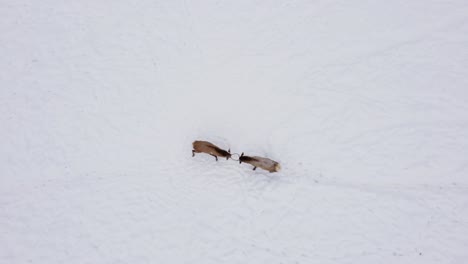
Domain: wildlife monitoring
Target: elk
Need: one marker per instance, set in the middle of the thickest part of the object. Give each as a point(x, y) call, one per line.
point(264, 163)
point(209, 148)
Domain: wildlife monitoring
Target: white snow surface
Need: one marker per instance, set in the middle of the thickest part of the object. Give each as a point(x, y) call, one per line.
point(364, 104)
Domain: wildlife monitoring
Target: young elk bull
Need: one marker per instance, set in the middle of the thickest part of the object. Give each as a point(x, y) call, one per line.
point(209, 148)
point(264, 163)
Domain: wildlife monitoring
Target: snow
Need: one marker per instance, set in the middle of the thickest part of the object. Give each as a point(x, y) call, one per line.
point(362, 102)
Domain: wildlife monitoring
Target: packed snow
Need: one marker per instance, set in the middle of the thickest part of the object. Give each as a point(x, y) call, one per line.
point(363, 103)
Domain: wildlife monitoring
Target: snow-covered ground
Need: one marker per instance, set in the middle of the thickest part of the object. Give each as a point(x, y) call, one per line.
point(364, 104)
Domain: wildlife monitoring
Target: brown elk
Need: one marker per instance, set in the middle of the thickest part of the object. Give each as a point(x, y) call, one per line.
point(264, 163)
point(209, 148)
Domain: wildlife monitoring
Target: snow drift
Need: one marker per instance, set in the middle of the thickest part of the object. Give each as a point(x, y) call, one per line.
point(363, 103)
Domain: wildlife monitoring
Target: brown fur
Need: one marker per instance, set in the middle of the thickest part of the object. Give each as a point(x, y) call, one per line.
point(209, 148)
point(264, 163)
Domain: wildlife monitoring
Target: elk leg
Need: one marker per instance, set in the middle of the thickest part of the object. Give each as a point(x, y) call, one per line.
point(193, 153)
point(214, 156)
point(254, 168)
